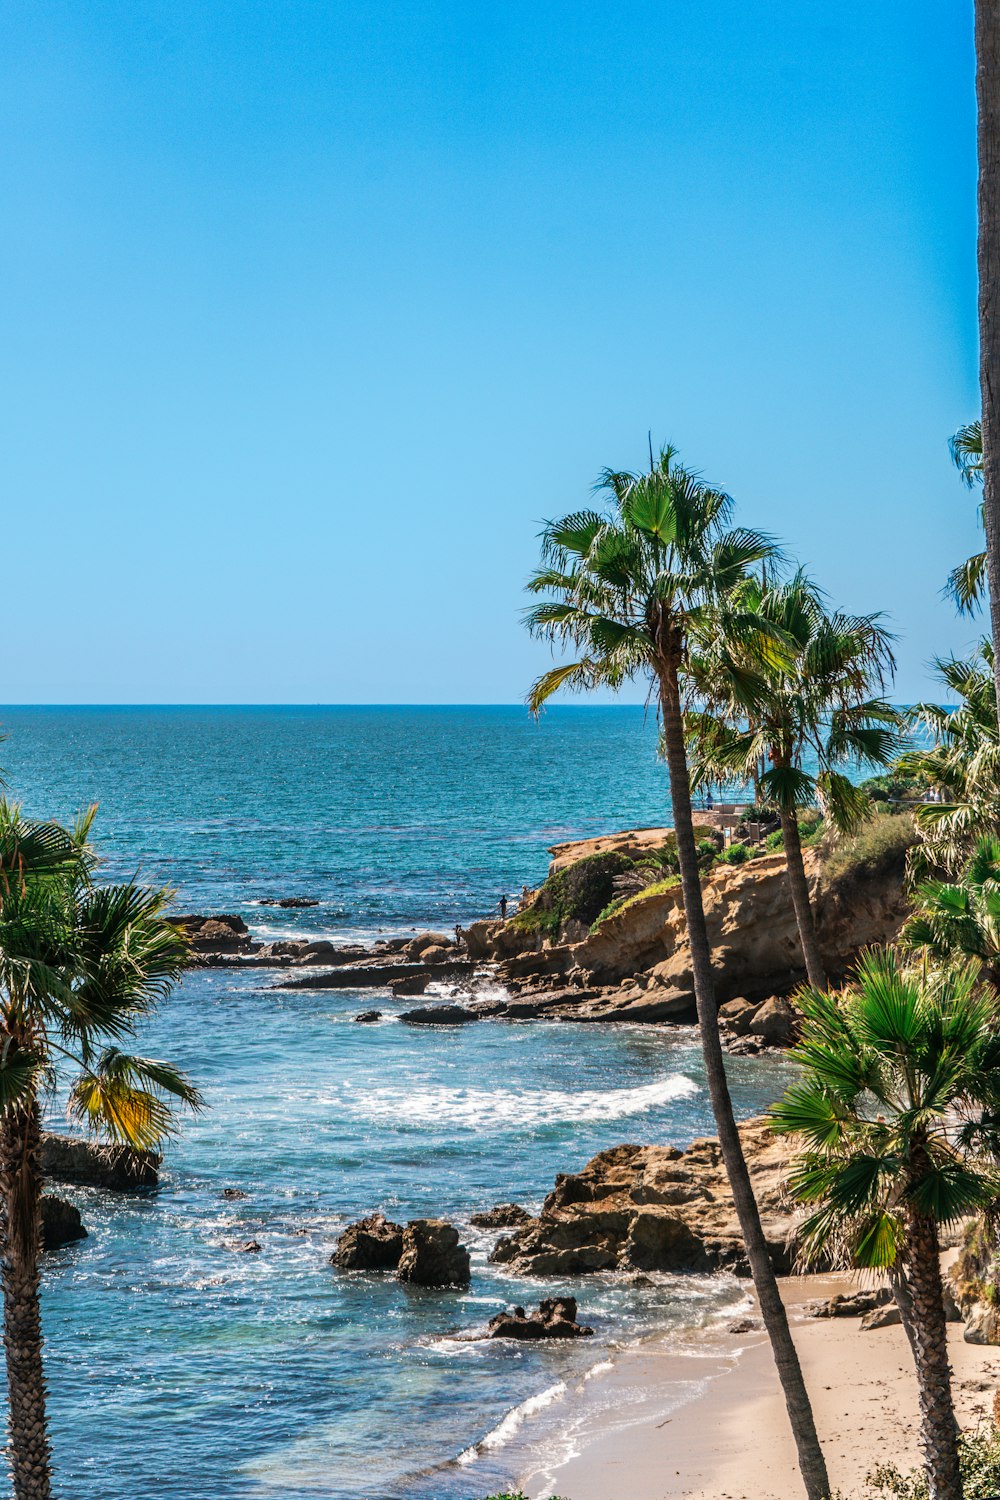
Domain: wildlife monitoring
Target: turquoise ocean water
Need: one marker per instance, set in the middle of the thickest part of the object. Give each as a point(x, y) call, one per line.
point(180, 1367)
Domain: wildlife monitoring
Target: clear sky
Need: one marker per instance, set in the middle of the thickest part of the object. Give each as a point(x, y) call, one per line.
point(312, 311)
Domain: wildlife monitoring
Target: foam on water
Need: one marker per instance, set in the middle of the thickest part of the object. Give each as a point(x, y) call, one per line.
point(479, 1109)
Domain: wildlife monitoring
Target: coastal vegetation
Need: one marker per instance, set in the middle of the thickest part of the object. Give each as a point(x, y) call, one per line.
point(792, 719)
point(638, 588)
point(82, 962)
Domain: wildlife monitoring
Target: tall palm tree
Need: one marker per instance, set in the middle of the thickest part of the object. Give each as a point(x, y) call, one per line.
point(792, 721)
point(630, 586)
point(988, 100)
point(963, 763)
point(81, 964)
point(900, 1075)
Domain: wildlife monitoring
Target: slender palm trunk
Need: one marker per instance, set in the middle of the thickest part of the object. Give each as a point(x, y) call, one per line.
point(811, 1461)
point(938, 1428)
point(20, 1193)
point(988, 99)
point(799, 887)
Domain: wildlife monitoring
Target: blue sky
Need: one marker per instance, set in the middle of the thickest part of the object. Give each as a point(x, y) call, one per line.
point(314, 311)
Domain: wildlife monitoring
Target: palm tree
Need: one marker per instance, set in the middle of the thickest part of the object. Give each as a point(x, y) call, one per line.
point(901, 1076)
point(961, 919)
point(967, 582)
point(630, 586)
point(963, 763)
point(81, 964)
point(988, 100)
point(792, 721)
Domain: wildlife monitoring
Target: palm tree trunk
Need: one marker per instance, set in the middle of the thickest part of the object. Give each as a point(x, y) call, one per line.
point(20, 1194)
point(811, 1461)
point(938, 1428)
point(799, 887)
point(988, 99)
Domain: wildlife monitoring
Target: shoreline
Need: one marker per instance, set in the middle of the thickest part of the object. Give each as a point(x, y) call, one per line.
point(662, 1425)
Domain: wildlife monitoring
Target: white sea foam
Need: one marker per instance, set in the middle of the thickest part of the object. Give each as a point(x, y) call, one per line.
point(479, 1108)
point(513, 1422)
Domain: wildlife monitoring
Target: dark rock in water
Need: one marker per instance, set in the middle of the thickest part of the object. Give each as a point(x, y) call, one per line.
point(503, 1216)
point(414, 985)
point(372, 1244)
point(745, 1325)
point(439, 1015)
point(290, 903)
point(555, 1319)
point(369, 1015)
point(61, 1223)
point(356, 976)
point(251, 1247)
point(432, 1254)
point(226, 933)
point(68, 1159)
point(232, 1193)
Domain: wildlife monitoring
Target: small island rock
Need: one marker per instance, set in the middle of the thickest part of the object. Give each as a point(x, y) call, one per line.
point(439, 1015)
point(502, 1216)
point(555, 1319)
point(61, 1223)
point(372, 1244)
point(432, 1255)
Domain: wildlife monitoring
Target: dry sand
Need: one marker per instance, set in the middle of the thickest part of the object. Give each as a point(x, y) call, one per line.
point(710, 1423)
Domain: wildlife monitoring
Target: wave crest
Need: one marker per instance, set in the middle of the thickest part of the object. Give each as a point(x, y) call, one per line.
point(479, 1108)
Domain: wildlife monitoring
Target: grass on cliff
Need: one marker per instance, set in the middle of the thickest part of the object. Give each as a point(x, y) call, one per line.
point(584, 890)
point(622, 902)
point(878, 849)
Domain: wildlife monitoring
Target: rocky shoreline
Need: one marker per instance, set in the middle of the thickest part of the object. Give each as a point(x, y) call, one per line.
point(632, 964)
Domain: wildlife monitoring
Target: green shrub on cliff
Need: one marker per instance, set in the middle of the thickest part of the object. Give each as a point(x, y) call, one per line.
point(621, 902)
point(579, 891)
point(878, 849)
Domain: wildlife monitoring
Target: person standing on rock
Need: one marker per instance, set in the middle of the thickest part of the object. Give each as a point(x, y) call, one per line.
point(503, 908)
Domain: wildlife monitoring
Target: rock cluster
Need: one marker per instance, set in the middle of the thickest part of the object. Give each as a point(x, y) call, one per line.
point(439, 1015)
point(426, 1252)
point(501, 1216)
point(61, 1223)
point(555, 1319)
point(70, 1159)
point(654, 1208)
point(749, 1025)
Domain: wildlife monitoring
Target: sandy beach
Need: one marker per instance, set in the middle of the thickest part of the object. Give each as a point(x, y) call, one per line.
point(709, 1423)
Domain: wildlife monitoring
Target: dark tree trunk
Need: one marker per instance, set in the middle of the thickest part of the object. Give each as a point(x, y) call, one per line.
point(810, 1454)
point(988, 99)
point(938, 1428)
point(20, 1193)
point(799, 887)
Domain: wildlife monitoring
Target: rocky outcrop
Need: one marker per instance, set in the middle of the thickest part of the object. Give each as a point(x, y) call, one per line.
point(366, 1017)
point(218, 934)
point(654, 1208)
point(357, 976)
point(501, 1216)
point(432, 1255)
point(555, 1319)
point(61, 1223)
point(71, 1159)
point(372, 1244)
point(849, 1304)
point(439, 1015)
point(636, 964)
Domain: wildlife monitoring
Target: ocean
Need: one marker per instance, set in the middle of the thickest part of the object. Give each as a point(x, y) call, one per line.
point(180, 1366)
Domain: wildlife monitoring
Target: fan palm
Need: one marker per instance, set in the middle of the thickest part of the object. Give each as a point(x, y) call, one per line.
point(808, 705)
point(901, 1076)
point(631, 586)
point(81, 964)
point(964, 762)
point(961, 918)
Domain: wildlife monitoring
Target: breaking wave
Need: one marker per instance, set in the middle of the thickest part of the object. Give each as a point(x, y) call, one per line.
point(479, 1108)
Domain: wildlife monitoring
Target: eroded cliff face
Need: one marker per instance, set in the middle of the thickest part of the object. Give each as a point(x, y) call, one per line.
point(642, 951)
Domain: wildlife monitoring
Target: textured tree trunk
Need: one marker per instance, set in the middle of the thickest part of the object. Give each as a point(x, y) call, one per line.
point(810, 1454)
point(904, 1301)
point(799, 887)
point(938, 1428)
point(988, 99)
point(20, 1192)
